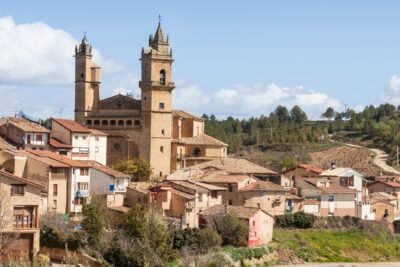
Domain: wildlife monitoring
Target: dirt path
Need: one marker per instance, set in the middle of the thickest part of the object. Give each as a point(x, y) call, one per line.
point(379, 159)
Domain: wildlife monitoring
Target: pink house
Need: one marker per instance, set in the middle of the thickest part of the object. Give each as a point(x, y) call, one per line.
point(260, 222)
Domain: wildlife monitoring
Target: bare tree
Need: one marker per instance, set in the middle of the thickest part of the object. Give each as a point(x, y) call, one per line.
point(5, 220)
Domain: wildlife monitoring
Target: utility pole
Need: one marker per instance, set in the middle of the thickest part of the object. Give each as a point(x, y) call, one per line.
point(397, 155)
point(271, 132)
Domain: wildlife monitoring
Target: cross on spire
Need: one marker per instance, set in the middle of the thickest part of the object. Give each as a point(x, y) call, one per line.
point(159, 18)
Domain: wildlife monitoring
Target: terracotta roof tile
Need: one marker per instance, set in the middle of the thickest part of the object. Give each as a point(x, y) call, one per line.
point(100, 167)
point(23, 180)
point(59, 158)
point(202, 139)
point(333, 188)
point(293, 197)
point(263, 186)
point(308, 167)
point(58, 144)
point(25, 125)
point(240, 211)
point(224, 178)
point(72, 126)
point(185, 115)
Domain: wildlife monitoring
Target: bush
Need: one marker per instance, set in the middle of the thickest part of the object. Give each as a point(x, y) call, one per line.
point(396, 226)
point(297, 220)
point(241, 254)
point(51, 238)
point(195, 239)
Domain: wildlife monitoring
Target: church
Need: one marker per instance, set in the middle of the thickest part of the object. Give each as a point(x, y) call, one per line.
point(147, 127)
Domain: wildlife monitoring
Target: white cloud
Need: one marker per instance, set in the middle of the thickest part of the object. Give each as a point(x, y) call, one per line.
point(254, 100)
point(37, 70)
point(391, 92)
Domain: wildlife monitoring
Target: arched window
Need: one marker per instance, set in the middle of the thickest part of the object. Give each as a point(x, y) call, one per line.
point(121, 122)
point(129, 122)
point(112, 122)
point(96, 122)
point(89, 122)
point(162, 77)
point(104, 122)
point(196, 152)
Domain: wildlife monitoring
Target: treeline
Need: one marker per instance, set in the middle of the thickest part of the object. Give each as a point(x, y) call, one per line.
point(292, 126)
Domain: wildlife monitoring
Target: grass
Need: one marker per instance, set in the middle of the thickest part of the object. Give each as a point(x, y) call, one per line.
point(337, 246)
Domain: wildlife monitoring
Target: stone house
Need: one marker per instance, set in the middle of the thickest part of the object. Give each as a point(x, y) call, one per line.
point(385, 206)
point(19, 215)
point(389, 186)
point(260, 222)
point(24, 133)
point(303, 170)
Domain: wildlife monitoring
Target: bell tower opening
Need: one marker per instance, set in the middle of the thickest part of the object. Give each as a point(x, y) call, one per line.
point(162, 77)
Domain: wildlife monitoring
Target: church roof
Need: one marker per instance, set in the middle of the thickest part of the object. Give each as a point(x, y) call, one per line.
point(202, 139)
point(185, 115)
point(120, 102)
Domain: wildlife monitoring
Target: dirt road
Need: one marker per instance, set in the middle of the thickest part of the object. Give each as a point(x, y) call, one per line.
point(379, 159)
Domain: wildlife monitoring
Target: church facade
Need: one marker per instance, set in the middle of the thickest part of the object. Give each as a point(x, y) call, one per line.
point(148, 127)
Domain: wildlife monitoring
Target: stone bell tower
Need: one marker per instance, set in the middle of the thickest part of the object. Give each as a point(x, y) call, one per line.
point(156, 86)
point(87, 81)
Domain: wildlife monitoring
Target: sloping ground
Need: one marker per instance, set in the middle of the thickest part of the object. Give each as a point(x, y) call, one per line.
point(344, 156)
point(298, 246)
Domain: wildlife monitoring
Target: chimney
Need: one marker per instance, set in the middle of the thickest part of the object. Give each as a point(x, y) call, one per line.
point(333, 165)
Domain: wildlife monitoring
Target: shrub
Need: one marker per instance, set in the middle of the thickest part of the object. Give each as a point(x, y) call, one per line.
point(241, 254)
point(195, 239)
point(53, 239)
point(396, 226)
point(297, 220)
point(233, 230)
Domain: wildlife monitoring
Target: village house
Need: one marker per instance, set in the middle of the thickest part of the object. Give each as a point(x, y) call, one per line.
point(84, 143)
point(228, 165)
point(19, 216)
point(303, 170)
point(293, 203)
point(346, 177)
point(263, 195)
point(385, 206)
point(338, 201)
point(180, 200)
point(260, 222)
point(24, 134)
point(388, 185)
point(308, 188)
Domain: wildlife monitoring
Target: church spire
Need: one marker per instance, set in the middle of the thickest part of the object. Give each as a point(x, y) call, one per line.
point(85, 48)
point(158, 36)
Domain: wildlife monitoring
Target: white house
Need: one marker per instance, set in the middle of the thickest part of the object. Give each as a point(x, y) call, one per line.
point(86, 144)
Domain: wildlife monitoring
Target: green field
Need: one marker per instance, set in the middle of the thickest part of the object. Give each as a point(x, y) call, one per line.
point(335, 246)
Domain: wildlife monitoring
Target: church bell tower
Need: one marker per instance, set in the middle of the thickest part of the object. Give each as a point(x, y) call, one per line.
point(156, 87)
point(87, 81)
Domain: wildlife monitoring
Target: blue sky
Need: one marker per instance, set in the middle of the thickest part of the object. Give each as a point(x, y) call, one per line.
point(312, 53)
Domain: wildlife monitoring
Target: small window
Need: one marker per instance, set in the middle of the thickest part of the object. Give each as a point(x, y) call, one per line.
point(163, 132)
point(214, 194)
point(97, 139)
point(129, 122)
point(54, 203)
point(39, 137)
point(121, 123)
point(258, 205)
point(230, 202)
point(200, 197)
point(17, 190)
point(96, 122)
point(55, 190)
point(104, 122)
point(117, 146)
point(230, 188)
point(161, 106)
point(82, 75)
point(137, 122)
point(84, 137)
point(89, 122)
point(254, 223)
point(331, 198)
point(160, 174)
point(161, 149)
point(84, 171)
point(162, 77)
point(197, 152)
point(83, 186)
point(76, 137)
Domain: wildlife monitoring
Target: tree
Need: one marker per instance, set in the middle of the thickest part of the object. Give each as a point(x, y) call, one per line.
point(329, 113)
point(297, 115)
point(282, 114)
point(233, 230)
point(138, 168)
point(93, 223)
point(5, 219)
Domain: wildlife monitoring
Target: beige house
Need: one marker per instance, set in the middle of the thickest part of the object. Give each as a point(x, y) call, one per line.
point(263, 195)
point(385, 206)
point(338, 201)
point(182, 200)
point(19, 215)
point(293, 203)
point(24, 133)
point(260, 223)
point(147, 127)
